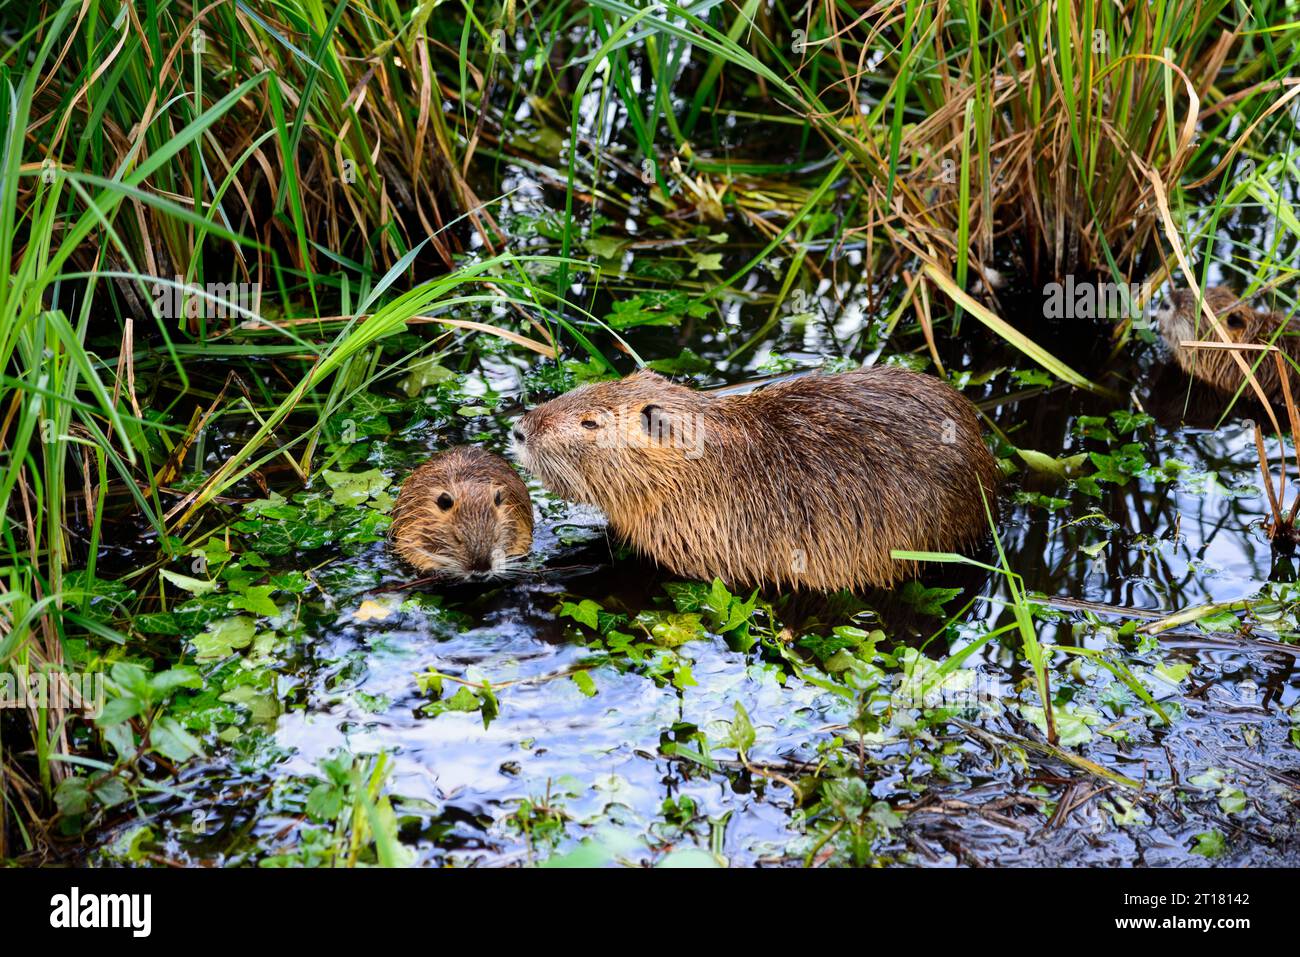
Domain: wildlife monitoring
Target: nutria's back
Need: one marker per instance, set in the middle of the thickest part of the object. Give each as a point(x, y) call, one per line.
point(464, 513)
point(1181, 320)
point(810, 482)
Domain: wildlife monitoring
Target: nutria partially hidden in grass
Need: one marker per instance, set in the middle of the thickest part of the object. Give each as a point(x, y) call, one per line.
point(1181, 320)
point(808, 483)
point(465, 514)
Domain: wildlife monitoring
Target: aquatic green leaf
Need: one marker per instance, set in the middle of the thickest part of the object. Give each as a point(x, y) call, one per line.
point(584, 612)
point(1120, 466)
point(885, 816)
point(585, 683)
point(1073, 724)
point(463, 700)
point(1125, 813)
point(1094, 427)
point(225, 637)
point(384, 830)
point(213, 552)
point(849, 795)
point(928, 601)
point(256, 599)
point(111, 791)
point(119, 709)
point(172, 741)
point(726, 612)
point(107, 598)
point(263, 706)
point(1210, 778)
point(740, 732)
point(121, 739)
point(195, 586)
point(1048, 502)
point(1044, 464)
point(72, 796)
point(423, 373)
point(1232, 800)
point(635, 312)
point(1210, 844)
point(1127, 422)
point(489, 706)
point(1223, 620)
point(265, 506)
point(688, 596)
point(164, 683)
point(705, 262)
point(686, 363)
point(824, 647)
point(354, 488)
point(133, 678)
point(293, 581)
point(129, 848)
point(671, 629)
point(324, 803)
point(1173, 673)
point(1031, 377)
point(1095, 549)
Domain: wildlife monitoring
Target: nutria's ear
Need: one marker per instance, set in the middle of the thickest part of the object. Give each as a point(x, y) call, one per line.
point(656, 423)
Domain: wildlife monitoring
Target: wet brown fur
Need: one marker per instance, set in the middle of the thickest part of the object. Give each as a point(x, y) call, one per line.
point(1182, 320)
point(489, 521)
point(807, 483)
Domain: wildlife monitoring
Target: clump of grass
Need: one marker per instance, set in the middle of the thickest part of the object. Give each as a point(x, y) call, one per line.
point(330, 153)
point(136, 152)
point(1045, 129)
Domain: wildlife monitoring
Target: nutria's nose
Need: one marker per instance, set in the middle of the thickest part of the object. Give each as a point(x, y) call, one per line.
point(518, 433)
point(479, 563)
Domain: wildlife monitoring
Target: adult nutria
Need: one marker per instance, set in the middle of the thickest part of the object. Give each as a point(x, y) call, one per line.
point(809, 482)
point(1181, 319)
point(465, 513)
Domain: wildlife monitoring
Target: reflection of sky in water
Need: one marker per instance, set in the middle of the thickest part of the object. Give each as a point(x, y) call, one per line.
point(547, 730)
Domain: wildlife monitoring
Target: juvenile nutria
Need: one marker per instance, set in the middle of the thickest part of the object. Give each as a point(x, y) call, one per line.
point(1181, 319)
point(809, 482)
point(465, 513)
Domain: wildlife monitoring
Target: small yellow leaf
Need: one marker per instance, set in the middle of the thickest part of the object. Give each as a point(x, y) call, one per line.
point(372, 611)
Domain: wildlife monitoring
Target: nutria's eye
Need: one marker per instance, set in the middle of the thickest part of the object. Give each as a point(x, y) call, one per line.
point(590, 424)
point(445, 501)
point(500, 497)
point(1236, 322)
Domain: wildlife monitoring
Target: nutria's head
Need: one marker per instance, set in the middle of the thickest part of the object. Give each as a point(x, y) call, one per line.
point(1181, 320)
point(1181, 317)
point(613, 442)
point(465, 513)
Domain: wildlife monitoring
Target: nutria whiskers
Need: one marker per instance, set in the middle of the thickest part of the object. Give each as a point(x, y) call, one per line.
point(465, 513)
point(808, 483)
